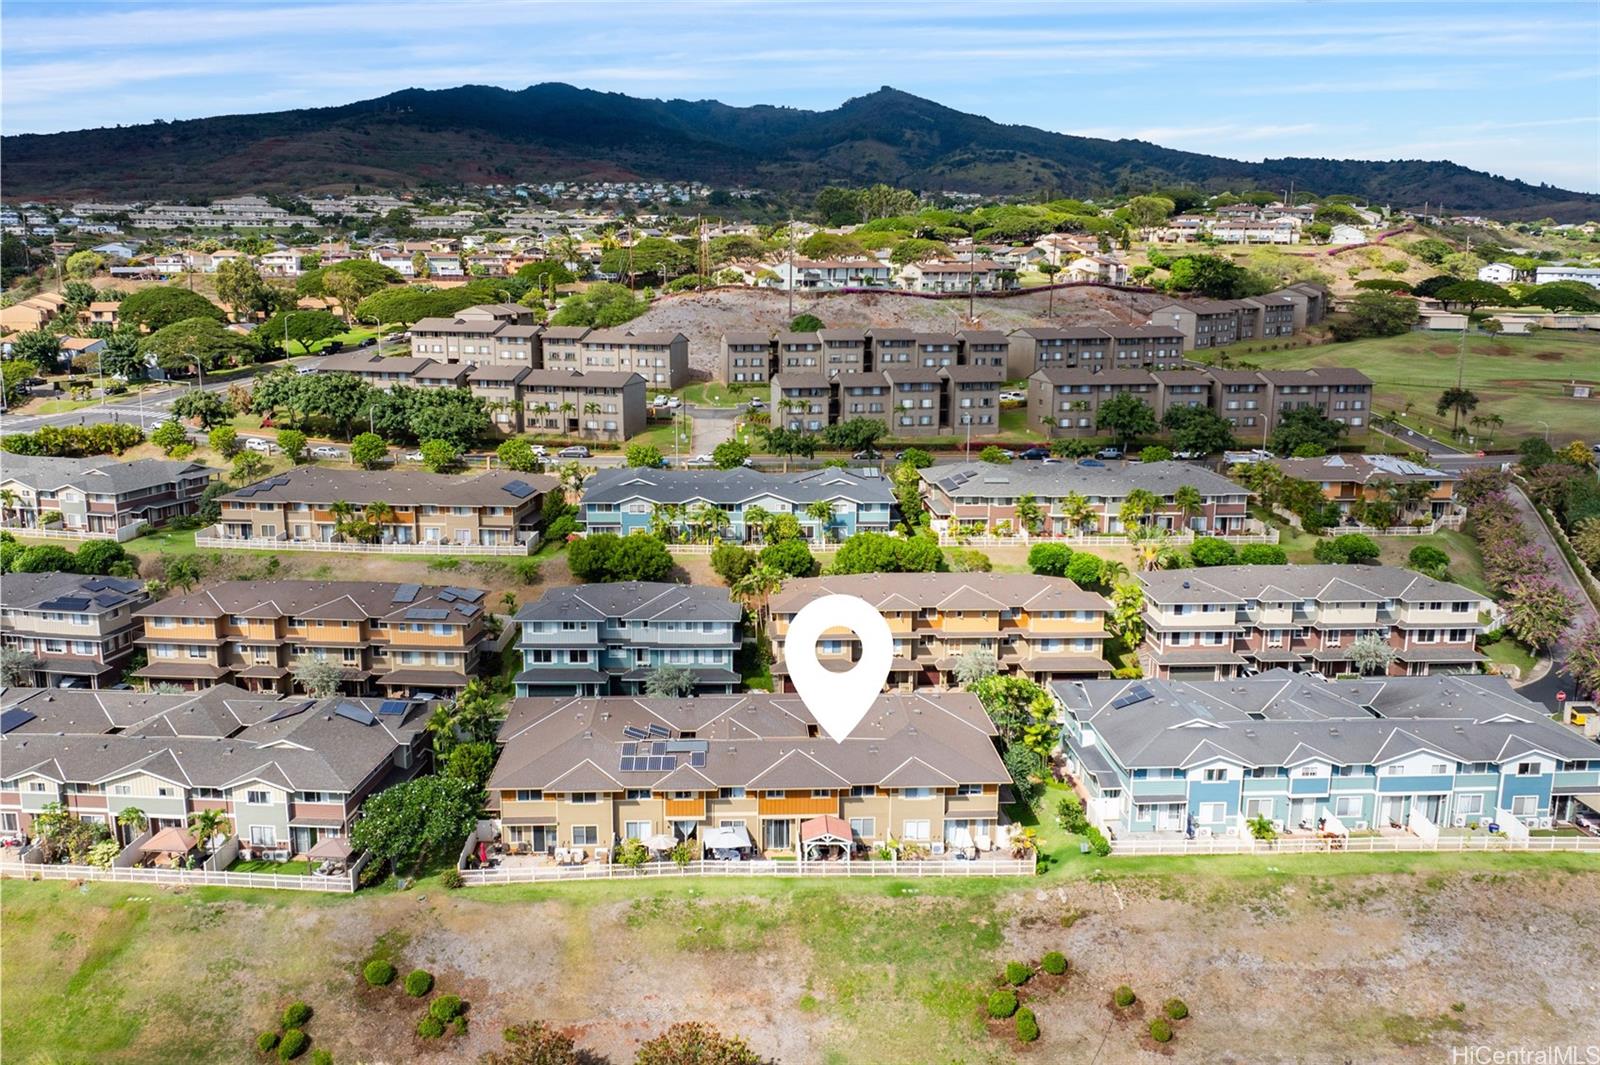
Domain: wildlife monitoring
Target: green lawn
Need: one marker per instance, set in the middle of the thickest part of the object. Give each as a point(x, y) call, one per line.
point(294, 868)
point(163, 542)
point(660, 435)
point(717, 394)
point(1507, 651)
point(1518, 378)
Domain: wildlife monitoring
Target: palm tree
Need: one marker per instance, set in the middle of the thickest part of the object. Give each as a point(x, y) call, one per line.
point(1076, 511)
point(1152, 547)
point(509, 601)
point(568, 407)
point(1029, 516)
point(821, 512)
point(572, 478)
point(207, 825)
point(757, 587)
point(1457, 402)
point(1494, 422)
point(1407, 496)
point(342, 512)
point(441, 730)
point(709, 521)
point(756, 521)
point(1139, 504)
point(379, 514)
point(1188, 501)
point(132, 820)
point(8, 499)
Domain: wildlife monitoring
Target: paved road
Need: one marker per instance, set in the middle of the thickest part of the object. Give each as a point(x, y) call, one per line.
point(712, 426)
point(1557, 680)
point(1412, 438)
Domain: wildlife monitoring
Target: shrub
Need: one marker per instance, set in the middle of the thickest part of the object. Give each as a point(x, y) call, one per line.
point(1027, 1025)
point(430, 1027)
point(1017, 973)
point(1176, 1008)
point(1210, 551)
point(731, 562)
point(418, 982)
point(1002, 1003)
point(1097, 841)
point(1347, 548)
point(321, 1057)
point(446, 1007)
point(266, 1041)
point(296, 1015)
point(1160, 1030)
point(378, 973)
point(1124, 997)
point(1049, 560)
point(1263, 555)
point(1054, 963)
point(1423, 557)
point(292, 1045)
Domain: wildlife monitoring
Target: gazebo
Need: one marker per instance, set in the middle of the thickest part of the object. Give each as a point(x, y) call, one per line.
point(819, 834)
point(331, 849)
point(172, 843)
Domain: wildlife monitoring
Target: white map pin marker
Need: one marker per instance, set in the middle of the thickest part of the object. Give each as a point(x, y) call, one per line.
point(838, 700)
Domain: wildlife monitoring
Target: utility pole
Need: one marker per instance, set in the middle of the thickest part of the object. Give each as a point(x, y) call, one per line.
point(972, 281)
point(791, 267)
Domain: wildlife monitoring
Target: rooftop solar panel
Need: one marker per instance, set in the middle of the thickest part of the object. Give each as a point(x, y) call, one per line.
point(520, 489)
point(394, 706)
point(697, 759)
point(67, 602)
point(426, 614)
point(290, 711)
point(16, 717)
point(110, 598)
point(634, 732)
point(446, 596)
point(359, 714)
point(471, 595)
point(659, 730)
point(629, 748)
point(627, 764)
point(406, 593)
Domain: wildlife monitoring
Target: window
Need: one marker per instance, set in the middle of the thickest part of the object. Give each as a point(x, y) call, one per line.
point(916, 793)
point(121, 789)
point(969, 789)
point(1438, 769)
point(1258, 808)
point(585, 835)
point(862, 790)
point(917, 830)
point(1306, 771)
point(1214, 776)
point(1469, 804)
point(258, 798)
point(263, 836)
point(1393, 770)
point(821, 793)
point(635, 829)
point(1212, 812)
point(1525, 805)
point(1527, 769)
point(38, 785)
point(583, 798)
point(529, 795)
point(863, 827)
point(1347, 806)
point(730, 793)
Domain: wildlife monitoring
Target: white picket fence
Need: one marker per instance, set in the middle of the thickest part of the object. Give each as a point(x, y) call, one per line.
point(208, 538)
point(50, 532)
point(1477, 841)
point(343, 885)
point(528, 874)
point(949, 539)
point(706, 549)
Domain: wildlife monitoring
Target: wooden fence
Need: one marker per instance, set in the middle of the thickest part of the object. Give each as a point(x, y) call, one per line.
point(1477, 841)
point(528, 874)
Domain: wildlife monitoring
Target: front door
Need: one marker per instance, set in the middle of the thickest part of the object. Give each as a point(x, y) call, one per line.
point(1432, 807)
point(775, 835)
point(1393, 811)
point(1170, 817)
point(1302, 811)
point(303, 839)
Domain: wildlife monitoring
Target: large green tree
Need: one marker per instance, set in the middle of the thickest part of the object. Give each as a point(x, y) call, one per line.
point(1125, 416)
point(205, 342)
point(423, 816)
point(159, 306)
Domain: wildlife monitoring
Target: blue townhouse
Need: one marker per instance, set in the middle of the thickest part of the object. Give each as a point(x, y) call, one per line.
point(1206, 757)
point(714, 504)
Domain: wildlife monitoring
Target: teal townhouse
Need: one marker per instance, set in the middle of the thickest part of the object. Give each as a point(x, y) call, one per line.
point(1160, 757)
point(715, 504)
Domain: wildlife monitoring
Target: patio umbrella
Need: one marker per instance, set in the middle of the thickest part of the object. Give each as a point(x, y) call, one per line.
point(664, 841)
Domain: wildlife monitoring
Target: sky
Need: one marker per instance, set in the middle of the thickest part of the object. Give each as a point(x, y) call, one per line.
point(1510, 88)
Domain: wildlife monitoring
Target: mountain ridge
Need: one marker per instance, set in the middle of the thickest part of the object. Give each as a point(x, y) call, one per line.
point(552, 131)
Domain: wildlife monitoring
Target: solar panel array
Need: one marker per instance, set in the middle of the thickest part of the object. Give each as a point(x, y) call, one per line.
point(659, 756)
point(394, 706)
point(419, 613)
point(291, 710)
point(262, 486)
point(359, 714)
point(1136, 694)
point(634, 732)
point(16, 717)
point(67, 602)
point(520, 489)
point(659, 730)
point(406, 593)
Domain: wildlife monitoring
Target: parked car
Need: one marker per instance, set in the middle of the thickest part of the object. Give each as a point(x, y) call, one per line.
point(868, 455)
point(326, 451)
point(540, 450)
point(1188, 454)
point(1007, 452)
point(1109, 453)
point(660, 401)
point(756, 404)
point(1013, 396)
point(412, 456)
point(1049, 460)
point(1089, 462)
point(1035, 453)
point(576, 451)
point(367, 342)
point(261, 444)
point(701, 462)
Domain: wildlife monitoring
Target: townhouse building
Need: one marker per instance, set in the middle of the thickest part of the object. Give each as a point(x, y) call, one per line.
point(625, 501)
point(77, 630)
point(912, 401)
point(499, 385)
point(661, 358)
point(1041, 628)
point(599, 405)
point(486, 333)
point(1066, 403)
point(606, 639)
point(386, 371)
point(311, 504)
point(97, 496)
point(1226, 621)
point(833, 273)
point(746, 357)
point(562, 346)
point(101, 312)
point(758, 357)
point(1095, 348)
point(287, 772)
point(393, 639)
point(1204, 758)
point(982, 275)
point(590, 773)
point(1087, 499)
point(1347, 479)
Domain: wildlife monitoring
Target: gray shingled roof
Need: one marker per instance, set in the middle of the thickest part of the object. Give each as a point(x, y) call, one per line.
point(646, 600)
point(316, 484)
point(350, 600)
point(1329, 583)
point(978, 481)
point(71, 593)
point(734, 486)
point(96, 475)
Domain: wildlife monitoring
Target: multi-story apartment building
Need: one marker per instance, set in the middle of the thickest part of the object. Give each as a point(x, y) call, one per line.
point(911, 400)
point(982, 275)
point(600, 405)
point(287, 772)
point(799, 353)
point(662, 359)
point(845, 350)
point(759, 357)
point(630, 500)
point(78, 630)
point(985, 494)
point(1224, 621)
point(1041, 628)
point(491, 332)
point(1095, 348)
point(97, 496)
point(397, 639)
point(562, 346)
point(1344, 479)
point(833, 273)
point(589, 773)
point(1066, 403)
point(746, 358)
point(985, 347)
point(606, 639)
point(1204, 758)
point(309, 504)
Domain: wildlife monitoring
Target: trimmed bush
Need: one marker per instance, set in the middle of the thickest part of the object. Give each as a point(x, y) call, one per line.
point(446, 1007)
point(1160, 1030)
point(1002, 1003)
point(459, 1025)
point(296, 1015)
point(1176, 1008)
point(378, 973)
point(450, 879)
point(1054, 963)
point(266, 1041)
point(292, 1045)
point(1017, 973)
point(430, 1027)
point(1027, 1025)
point(320, 1056)
point(418, 982)
point(1124, 997)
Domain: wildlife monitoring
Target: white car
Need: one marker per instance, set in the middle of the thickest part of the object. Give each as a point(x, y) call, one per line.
point(326, 451)
point(661, 401)
point(540, 450)
point(261, 444)
point(673, 402)
point(412, 456)
point(1013, 396)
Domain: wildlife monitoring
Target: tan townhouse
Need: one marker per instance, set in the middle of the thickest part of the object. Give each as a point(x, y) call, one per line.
point(587, 774)
point(1414, 491)
point(662, 359)
point(486, 333)
point(1041, 628)
point(100, 496)
point(598, 405)
point(394, 639)
point(77, 631)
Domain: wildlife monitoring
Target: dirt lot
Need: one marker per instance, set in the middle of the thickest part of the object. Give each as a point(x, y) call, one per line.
point(705, 317)
point(1275, 968)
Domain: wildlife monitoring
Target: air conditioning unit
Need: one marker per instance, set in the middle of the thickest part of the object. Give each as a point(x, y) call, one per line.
point(1460, 821)
point(1361, 826)
point(937, 847)
point(1203, 832)
point(1547, 822)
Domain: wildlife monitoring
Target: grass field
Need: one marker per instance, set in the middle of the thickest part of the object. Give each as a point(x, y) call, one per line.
point(717, 394)
point(1518, 378)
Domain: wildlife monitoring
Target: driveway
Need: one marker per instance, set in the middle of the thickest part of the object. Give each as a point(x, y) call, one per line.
point(712, 426)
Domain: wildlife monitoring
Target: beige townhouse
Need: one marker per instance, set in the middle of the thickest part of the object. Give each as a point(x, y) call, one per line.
point(78, 631)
